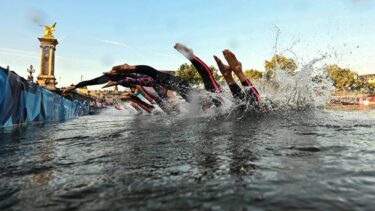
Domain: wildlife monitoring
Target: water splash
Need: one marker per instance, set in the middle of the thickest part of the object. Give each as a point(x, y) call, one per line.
point(308, 88)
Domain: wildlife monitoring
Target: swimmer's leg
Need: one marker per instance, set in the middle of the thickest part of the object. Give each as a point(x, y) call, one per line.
point(99, 80)
point(226, 71)
point(204, 71)
point(236, 66)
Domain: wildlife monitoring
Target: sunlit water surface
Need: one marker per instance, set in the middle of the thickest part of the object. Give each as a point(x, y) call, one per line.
point(320, 160)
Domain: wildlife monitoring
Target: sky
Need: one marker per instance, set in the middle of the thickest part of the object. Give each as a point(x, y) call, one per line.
point(96, 35)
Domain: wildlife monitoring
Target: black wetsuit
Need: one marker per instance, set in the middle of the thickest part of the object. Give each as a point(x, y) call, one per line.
point(166, 80)
point(100, 80)
point(237, 91)
point(251, 92)
point(207, 77)
point(143, 80)
point(211, 85)
point(178, 84)
point(250, 95)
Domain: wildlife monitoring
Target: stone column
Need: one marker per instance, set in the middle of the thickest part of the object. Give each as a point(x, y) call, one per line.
point(46, 77)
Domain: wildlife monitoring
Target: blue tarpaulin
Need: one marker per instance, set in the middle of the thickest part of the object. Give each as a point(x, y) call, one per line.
point(22, 101)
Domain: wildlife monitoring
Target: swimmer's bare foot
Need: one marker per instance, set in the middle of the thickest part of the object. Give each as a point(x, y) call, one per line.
point(68, 90)
point(187, 52)
point(225, 70)
point(110, 83)
point(233, 62)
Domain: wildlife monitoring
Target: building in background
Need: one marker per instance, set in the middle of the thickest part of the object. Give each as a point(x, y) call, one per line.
point(368, 78)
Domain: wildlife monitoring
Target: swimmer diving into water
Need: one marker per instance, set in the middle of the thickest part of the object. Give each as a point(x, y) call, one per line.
point(177, 84)
point(251, 94)
point(136, 102)
point(119, 72)
point(149, 89)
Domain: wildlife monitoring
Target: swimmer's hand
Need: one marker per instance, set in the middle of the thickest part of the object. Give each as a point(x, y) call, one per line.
point(118, 107)
point(126, 96)
point(187, 52)
point(68, 90)
point(109, 84)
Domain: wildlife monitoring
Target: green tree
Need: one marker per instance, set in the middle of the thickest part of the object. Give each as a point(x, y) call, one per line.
point(253, 74)
point(343, 78)
point(215, 73)
point(370, 87)
point(280, 61)
point(191, 75)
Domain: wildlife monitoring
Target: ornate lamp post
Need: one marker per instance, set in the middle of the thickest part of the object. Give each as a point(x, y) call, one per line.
point(30, 70)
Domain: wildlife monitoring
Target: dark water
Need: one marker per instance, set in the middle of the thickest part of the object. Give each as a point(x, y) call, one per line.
point(299, 160)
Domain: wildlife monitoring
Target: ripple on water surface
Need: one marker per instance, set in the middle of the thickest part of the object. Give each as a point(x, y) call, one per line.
point(305, 160)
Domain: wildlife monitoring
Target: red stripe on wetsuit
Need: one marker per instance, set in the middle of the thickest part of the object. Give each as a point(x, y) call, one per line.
point(247, 83)
point(206, 75)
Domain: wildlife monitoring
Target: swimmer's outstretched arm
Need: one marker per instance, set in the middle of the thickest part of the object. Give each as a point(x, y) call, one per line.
point(145, 95)
point(99, 80)
point(145, 106)
point(136, 107)
point(130, 81)
point(127, 83)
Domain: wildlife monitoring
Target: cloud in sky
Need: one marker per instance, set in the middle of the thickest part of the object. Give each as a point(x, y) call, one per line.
point(93, 44)
point(167, 55)
point(111, 42)
point(20, 53)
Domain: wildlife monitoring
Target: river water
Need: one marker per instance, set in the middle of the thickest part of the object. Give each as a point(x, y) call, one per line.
point(317, 159)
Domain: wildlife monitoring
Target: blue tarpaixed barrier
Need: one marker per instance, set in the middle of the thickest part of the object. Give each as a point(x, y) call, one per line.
point(22, 102)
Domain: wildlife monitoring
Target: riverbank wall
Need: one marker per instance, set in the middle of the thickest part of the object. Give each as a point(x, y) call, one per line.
point(22, 101)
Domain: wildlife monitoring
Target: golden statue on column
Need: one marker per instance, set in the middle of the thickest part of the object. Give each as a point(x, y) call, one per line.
point(46, 77)
point(48, 31)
